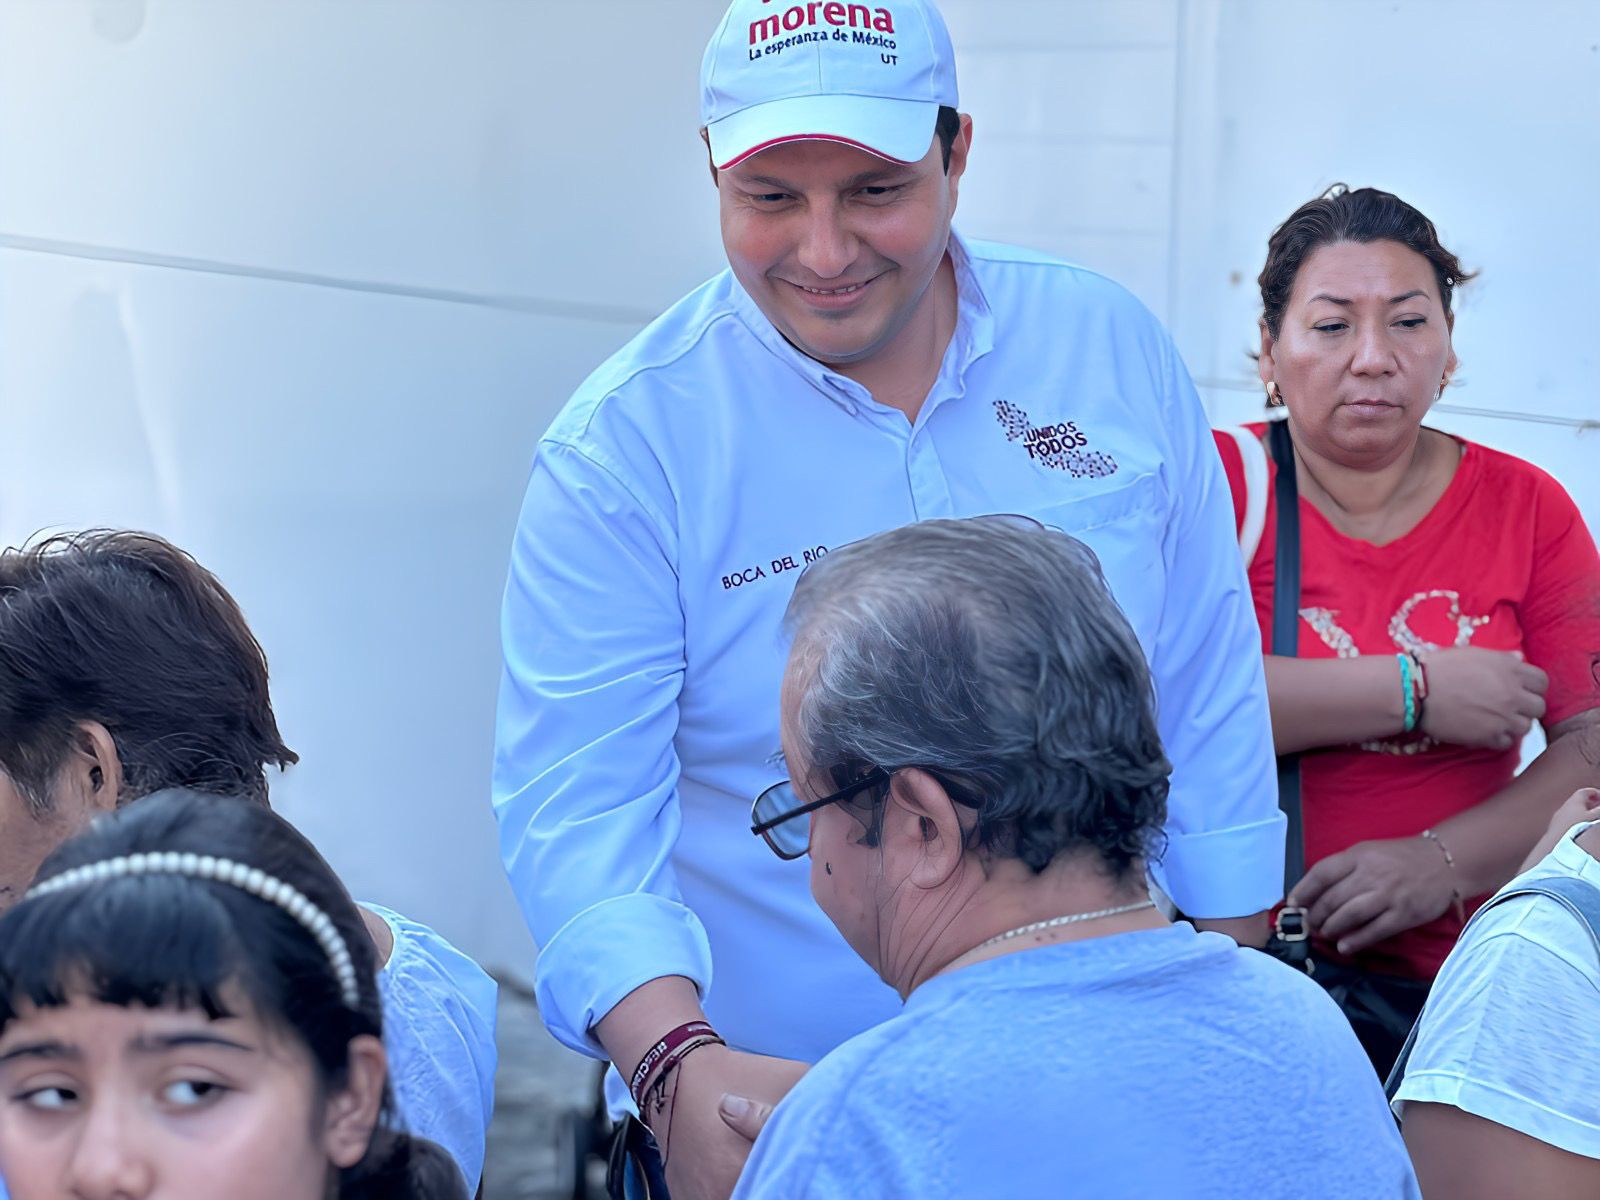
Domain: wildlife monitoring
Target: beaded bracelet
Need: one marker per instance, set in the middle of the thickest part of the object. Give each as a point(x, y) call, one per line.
point(1405, 686)
point(1450, 861)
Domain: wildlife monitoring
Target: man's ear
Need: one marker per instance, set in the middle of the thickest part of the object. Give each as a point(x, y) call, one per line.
point(716, 180)
point(352, 1111)
point(91, 779)
point(922, 828)
point(960, 147)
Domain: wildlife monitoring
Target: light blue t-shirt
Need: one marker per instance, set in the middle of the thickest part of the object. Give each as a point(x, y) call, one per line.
point(1508, 1031)
point(438, 1027)
point(1161, 1063)
point(671, 507)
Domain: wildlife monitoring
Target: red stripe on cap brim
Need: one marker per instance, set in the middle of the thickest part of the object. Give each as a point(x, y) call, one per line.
point(814, 137)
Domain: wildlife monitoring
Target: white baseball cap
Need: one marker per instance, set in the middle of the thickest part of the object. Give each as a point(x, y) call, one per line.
point(868, 75)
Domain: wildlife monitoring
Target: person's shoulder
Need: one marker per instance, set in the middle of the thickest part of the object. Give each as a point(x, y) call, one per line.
point(661, 358)
point(1496, 1037)
point(439, 1017)
point(1501, 464)
point(428, 973)
point(1502, 470)
point(1516, 929)
point(1518, 959)
point(1233, 443)
point(1287, 999)
point(839, 1072)
point(842, 1130)
point(1029, 270)
point(1510, 485)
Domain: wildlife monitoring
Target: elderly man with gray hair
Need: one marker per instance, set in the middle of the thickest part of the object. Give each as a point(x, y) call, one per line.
point(976, 775)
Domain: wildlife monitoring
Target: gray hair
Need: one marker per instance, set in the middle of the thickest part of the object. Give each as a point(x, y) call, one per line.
point(990, 653)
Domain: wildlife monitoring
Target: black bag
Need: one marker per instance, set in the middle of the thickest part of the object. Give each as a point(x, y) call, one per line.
point(1380, 1008)
point(634, 1168)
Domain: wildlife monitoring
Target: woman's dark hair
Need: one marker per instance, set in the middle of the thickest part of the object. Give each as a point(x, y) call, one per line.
point(1343, 215)
point(128, 630)
point(166, 940)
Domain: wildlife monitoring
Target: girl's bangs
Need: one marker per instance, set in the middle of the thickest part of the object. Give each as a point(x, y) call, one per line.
point(154, 941)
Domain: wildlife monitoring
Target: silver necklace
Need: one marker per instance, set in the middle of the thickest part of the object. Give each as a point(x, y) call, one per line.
point(1053, 922)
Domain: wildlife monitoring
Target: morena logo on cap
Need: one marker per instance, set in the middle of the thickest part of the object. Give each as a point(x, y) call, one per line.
point(868, 75)
point(840, 16)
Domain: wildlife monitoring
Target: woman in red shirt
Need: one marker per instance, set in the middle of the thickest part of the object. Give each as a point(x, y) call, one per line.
point(1449, 597)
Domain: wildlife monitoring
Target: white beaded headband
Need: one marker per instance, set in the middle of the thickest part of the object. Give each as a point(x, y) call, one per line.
point(221, 870)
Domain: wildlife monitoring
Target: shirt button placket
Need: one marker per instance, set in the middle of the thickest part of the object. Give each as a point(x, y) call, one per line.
point(930, 493)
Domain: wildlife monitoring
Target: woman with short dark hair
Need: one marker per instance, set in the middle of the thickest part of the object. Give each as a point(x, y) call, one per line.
point(1447, 599)
point(125, 632)
point(127, 668)
point(189, 1008)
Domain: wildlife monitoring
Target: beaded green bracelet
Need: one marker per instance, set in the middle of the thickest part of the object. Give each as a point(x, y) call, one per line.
point(1405, 686)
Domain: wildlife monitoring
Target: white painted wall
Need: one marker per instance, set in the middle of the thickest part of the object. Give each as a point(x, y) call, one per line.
point(298, 283)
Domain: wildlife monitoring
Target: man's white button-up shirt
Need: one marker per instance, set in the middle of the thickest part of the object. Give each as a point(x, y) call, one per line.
point(672, 505)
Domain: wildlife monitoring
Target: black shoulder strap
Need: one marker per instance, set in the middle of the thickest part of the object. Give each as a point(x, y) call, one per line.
point(1286, 633)
point(1577, 896)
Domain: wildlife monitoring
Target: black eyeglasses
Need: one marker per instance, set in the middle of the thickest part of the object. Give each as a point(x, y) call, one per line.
point(773, 813)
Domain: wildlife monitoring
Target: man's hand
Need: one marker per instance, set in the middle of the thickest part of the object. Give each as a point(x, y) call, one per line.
point(1482, 697)
point(1374, 890)
point(704, 1153)
point(743, 1115)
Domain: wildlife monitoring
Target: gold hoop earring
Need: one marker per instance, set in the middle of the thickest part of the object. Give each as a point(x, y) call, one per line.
point(1274, 396)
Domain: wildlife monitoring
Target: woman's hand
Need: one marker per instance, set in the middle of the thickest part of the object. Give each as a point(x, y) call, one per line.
point(704, 1155)
point(1374, 890)
point(1482, 697)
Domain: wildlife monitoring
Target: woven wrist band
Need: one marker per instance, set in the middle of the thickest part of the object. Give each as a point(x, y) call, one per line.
point(673, 1046)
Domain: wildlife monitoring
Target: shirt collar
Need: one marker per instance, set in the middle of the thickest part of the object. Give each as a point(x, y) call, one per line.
point(972, 339)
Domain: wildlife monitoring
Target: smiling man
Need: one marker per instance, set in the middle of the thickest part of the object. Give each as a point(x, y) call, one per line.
point(858, 367)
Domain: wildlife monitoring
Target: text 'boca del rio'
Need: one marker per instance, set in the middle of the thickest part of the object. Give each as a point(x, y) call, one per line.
point(776, 566)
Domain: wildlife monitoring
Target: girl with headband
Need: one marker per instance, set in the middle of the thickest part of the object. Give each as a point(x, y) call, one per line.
point(189, 1010)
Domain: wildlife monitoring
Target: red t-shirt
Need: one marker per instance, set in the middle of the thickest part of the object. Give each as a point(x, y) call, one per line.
point(1503, 561)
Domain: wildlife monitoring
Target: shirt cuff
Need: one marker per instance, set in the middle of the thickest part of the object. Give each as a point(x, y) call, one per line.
point(1218, 873)
point(607, 951)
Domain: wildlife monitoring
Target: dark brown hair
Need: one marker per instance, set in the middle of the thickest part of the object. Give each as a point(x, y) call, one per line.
point(1343, 215)
point(127, 630)
point(945, 128)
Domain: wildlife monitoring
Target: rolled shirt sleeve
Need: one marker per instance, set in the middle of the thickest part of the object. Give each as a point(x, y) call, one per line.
point(585, 774)
point(1225, 833)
